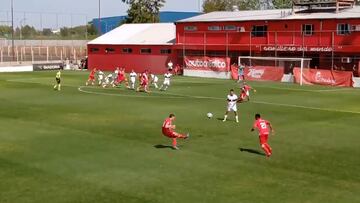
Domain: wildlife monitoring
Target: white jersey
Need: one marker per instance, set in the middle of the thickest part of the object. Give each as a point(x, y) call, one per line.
point(167, 78)
point(154, 78)
point(100, 75)
point(133, 76)
point(232, 100)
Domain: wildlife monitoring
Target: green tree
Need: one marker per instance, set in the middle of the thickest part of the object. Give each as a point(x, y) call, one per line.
point(64, 32)
point(5, 31)
point(215, 5)
point(143, 11)
point(282, 4)
point(28, 31)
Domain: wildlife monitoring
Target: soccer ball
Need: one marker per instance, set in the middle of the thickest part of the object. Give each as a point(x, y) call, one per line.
point(209, 115)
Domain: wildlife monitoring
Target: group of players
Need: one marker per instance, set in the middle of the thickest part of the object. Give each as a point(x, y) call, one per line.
point(264, 127)
point(118, 77)
point(168, 129)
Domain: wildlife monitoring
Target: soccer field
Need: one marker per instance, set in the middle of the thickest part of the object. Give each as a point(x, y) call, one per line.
point(88, 144)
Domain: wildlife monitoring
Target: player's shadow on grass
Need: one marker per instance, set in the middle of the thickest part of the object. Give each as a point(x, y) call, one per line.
point(160, 146)
point(252, 151)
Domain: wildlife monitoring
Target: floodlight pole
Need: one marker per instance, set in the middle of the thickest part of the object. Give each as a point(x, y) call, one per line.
point(12, 30)
point(100, 32)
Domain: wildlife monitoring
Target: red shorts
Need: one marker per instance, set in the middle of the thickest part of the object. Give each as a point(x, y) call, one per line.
point(144, 83)
point(120, 79)
point(263, 139)
point(169, 133)
point(91, 77)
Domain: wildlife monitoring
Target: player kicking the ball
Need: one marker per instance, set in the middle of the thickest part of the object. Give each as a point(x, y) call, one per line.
point(57, 86)
point(232, 100)
point(264, 128)
point(245, 92)
point(168, 130)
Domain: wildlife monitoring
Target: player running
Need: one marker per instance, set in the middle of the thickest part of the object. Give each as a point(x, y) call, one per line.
point(154, 80)
point(168, 130)
point(144, 82)
point(100, 77)
point(245, 92)
point(166, 83)
point(264, 128)
point(57, 86)
point(232, 100)
point(121, 77)
point(91, 77)
point(133, 76)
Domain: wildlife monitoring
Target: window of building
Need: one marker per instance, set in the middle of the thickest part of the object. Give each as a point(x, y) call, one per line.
point(109, 50)
point(343, 29)
point(190, 28)
point(145, 51)
point(230, 28)
point(259, 31)
point(214, 28)
point(308, 29)
point(94, 50)
point(127, 50)
point(165, 51)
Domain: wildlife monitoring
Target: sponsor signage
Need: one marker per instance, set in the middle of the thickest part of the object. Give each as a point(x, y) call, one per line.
point(216, 64)
point(47, 66)
point(297, 48)
point(324, 77)
point(263, 73)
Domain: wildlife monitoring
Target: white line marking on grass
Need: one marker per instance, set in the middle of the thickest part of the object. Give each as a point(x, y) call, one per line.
point(182, 96)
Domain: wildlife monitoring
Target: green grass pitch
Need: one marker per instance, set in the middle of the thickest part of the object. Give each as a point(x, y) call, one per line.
point(104, 145)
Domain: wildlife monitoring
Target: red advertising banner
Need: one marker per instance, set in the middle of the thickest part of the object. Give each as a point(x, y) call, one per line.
point(264, 73)
point(324, 77)
point(216, 64)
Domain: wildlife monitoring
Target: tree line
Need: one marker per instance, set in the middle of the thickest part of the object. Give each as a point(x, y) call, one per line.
point(30, 32)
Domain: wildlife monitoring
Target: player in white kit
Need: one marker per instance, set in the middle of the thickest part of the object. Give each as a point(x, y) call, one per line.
point(232, 105)
point(109, 81)
point(133, 76)
point(100, 77)
point(166, 83)
point(154, 80)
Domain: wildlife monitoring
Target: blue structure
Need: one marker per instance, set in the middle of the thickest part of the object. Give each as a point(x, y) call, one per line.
point(110, 23)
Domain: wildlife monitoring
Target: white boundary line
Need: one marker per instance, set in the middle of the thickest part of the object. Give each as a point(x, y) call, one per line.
point(181, 96)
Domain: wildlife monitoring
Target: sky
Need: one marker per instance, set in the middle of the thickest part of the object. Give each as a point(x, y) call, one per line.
point(58, 13)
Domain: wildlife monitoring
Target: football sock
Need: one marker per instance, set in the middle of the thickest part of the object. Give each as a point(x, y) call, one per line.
point(174, 142)
point(266, 150)
point(237, 118)
point(225, 117)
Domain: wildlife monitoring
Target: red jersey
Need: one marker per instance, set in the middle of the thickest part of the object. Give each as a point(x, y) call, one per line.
point(247, 88)
point(262, 126)
point(92, 73)
point(167, 122)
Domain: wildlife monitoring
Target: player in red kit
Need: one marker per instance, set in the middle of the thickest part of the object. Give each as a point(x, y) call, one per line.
point(121, 77)
point(168, 130)
point(245, 93)
point(144, 82)
point(91, 77)
point(264, 128)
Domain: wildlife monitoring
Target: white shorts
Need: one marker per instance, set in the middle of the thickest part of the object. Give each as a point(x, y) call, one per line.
point(133, 80)
point(166, 82)
point(247, 93)
point(155, 80)
point(231, 107)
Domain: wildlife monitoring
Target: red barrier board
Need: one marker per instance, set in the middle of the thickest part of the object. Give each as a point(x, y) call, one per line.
point(324, 77)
